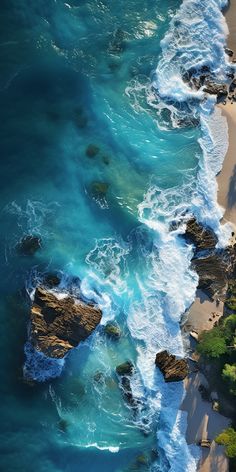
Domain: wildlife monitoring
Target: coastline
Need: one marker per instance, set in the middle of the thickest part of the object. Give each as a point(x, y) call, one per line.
point(202, 421)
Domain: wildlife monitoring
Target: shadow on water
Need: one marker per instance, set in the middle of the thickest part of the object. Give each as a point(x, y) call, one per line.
point(232, 190)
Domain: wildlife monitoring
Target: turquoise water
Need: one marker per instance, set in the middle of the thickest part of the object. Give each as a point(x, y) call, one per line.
point(76, 74)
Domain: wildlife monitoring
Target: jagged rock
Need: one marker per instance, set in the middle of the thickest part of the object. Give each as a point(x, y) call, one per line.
point(229, 52)
point(127, 368)
point(201, 237)
point(212, 271)
point(232, 86)
point(59, 325)
point(220, 90)
point(112, 330)
point(92, 150)
point(29, 245)
point(127, 391)
point(172, 368)
point(52, 280)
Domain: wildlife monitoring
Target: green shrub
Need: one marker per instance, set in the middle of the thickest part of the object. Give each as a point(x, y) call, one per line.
point(228, 439)
point(229, 375)
point(212, 343)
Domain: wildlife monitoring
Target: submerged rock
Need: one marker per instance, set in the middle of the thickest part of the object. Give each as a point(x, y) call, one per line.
point(59, 325)
point(202, 237)
point(29, 245)
point(80, 118)
point(127, 368)
point(92, 150)
point(117, 44)
point(172, 368)
point(99, 189)
point(112, 330)
point(52, 280)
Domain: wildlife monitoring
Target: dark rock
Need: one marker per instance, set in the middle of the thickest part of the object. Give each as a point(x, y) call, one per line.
point(127, 368)
point(92, 150)
point(172, 368)
point(112, 330)
point(52, 280)
point(58, 325)
point(220, 90)
point(127, 391)
point(106, 160)
point(212, 271)
point(29, 245)
point(229, 52)
point(63, 425)
point(200, 236)
point(117, 44)
point(99, 377)
point(99, 189)
point(232, 86)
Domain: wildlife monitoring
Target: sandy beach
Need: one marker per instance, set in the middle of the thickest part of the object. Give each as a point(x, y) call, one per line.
point(203, 421)
point(227, 178)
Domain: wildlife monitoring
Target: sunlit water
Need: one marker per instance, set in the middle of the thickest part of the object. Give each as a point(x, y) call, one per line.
point(75, 74)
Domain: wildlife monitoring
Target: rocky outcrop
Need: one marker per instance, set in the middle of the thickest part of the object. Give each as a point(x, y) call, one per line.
point(127, 368)
point(202, 237)
point(172, 368)
point(112, 330)
point(213, 273)
point(29, 245)
point(59, 325)
point(221, 90)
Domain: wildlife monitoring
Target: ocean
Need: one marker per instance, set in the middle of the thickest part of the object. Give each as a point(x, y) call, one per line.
point(105, 153)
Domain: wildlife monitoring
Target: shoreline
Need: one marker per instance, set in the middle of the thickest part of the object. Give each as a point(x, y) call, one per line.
point(202, 421)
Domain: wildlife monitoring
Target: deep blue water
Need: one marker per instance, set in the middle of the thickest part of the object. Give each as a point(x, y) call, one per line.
point(75, 74)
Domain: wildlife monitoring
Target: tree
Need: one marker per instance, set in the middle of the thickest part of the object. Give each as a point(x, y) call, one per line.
point(229, 375)
point(212, 343)
point(228, 439)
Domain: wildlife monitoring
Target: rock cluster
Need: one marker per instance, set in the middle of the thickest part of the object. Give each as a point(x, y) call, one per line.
point(172, 368)
point(58, 325)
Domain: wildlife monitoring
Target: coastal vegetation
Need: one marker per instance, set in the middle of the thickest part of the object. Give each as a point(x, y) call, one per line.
point(228, 439)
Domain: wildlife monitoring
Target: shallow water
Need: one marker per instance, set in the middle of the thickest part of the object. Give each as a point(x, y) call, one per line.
point(76, 74)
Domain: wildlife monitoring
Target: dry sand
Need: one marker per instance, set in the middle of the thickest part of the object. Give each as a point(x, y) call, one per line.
point(203, 422)
point(227, 178)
